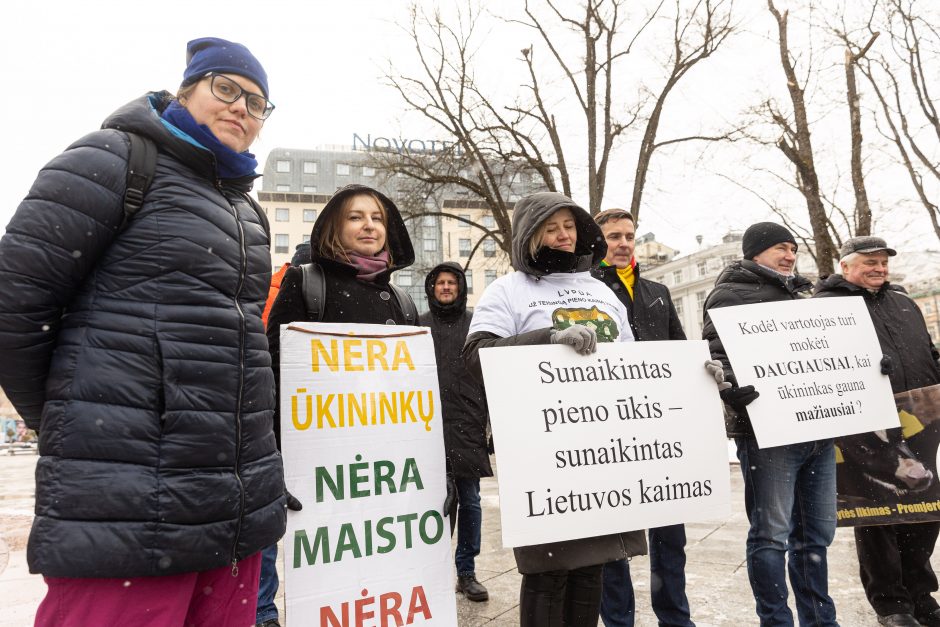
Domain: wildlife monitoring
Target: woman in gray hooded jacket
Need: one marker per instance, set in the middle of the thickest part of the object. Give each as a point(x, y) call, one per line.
point(555, 243)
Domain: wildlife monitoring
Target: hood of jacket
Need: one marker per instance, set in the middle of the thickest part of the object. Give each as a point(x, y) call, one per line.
point(747, 271)
point(142, 117)
point(399, 242)
point(460, 303)
point(533, 210)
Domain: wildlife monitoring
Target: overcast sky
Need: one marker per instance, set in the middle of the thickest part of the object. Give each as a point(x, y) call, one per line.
point(70, 64)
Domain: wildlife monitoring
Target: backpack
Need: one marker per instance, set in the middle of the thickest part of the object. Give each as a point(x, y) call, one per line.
point(141, 166)
point(314, 288)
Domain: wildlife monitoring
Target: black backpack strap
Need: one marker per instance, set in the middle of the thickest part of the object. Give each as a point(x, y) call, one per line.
point(141, 165)
point(314, 288)
point(406, 304)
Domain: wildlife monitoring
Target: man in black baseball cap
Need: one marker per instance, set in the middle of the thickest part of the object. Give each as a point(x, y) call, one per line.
point(893, 560)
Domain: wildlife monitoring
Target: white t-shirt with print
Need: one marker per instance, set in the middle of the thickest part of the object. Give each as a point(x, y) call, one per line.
point(518, 302)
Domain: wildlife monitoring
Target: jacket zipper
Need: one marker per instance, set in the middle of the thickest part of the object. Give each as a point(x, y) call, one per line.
point(241, 382)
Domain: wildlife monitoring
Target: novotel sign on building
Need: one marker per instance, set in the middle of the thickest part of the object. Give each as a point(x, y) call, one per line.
point(402, 145)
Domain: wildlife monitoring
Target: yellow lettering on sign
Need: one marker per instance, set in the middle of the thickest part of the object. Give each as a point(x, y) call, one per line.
point(376, 353)
point(331, 358)
point(352, 351)
point(402, 356)
point(353, 357)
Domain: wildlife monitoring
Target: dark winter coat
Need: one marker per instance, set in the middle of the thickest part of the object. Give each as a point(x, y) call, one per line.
point(528, 216)
point(463, 404)
point(348, 299)
point(901, 331)
point(745, 282)
point(139, 355)
point(653, 316)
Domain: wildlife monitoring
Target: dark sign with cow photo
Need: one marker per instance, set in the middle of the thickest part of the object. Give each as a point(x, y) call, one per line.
point(890, 476)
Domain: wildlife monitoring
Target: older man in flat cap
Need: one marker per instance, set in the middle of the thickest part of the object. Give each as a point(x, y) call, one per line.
point(894, 560)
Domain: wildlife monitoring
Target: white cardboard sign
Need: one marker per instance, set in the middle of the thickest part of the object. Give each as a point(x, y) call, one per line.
point(364, 452)
point(627, 438)
point(816, 363)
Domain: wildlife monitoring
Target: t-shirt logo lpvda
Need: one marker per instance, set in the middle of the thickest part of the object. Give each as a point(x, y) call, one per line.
point(604, 326)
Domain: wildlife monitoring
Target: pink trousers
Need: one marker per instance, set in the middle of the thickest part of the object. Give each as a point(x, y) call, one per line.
point(213, 598)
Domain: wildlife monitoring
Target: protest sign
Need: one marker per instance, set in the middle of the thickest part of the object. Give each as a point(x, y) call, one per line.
point(364, 452)
point(816, 363)
point(890, 477)
point(629, 437)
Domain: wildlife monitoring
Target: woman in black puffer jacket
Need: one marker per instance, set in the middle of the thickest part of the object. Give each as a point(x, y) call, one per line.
point(137, 352)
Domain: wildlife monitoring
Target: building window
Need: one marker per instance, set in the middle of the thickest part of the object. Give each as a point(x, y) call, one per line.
point(488, 222)
point(306, 239)
point(464, 247)
point(404, 278)
point(678, 304)
point(464, 216)
point(342, 169)
point(367, 171)
point(310, 167)
point(469, 275)
point(281, 243)
point(489, 248)
point(283, 188)
point(310, 215)
point(310, 189)
point(700, 301)
point(429, 222)
point(282, 215)
point(702, 267)
point(430, 244)
point(677, 277)
point(283, 165)
point(489, 276)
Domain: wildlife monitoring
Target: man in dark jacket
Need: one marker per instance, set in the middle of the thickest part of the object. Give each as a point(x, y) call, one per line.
point(894, 560)
point(789, 491)
point(464, 414)
point(652, 317)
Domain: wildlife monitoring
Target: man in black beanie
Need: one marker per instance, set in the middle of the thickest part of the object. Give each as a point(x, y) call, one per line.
point(789, 491)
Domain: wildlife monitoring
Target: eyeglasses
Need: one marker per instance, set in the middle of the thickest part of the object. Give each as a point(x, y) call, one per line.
point(227, 90)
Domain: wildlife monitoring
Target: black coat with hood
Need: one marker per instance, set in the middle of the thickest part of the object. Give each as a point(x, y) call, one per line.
point(901, 331)
point(653, 316)
point(745, 282)
point(139, 355)
point(590, 248)
point(348, 299)
point(463, 404)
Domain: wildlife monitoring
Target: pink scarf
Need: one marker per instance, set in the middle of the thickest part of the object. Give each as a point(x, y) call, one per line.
point(368, 266)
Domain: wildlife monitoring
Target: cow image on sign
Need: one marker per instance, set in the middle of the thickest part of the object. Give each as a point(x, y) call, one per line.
point(364, 452)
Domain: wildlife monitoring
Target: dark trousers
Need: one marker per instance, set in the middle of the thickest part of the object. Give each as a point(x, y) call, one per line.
point(561, 598)
point(894, 564)
point(667, 583)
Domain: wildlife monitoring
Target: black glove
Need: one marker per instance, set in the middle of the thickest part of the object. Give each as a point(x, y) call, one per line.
point(451, 499)
point(887, 365)
point(739, 398)
point(292, 503)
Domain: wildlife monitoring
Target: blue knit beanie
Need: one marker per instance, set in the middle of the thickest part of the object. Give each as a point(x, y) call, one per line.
point(211, 54)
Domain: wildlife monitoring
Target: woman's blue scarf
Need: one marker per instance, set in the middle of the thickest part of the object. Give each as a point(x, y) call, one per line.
point(230, 164)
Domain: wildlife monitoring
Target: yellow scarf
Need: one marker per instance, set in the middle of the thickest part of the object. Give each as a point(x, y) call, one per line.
point(627, 278)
